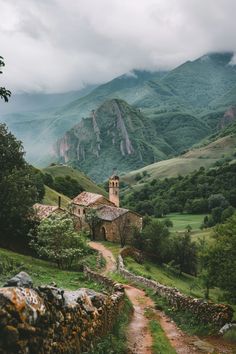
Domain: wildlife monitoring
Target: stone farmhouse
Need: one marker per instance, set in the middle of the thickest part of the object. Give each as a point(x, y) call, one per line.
point(116, 223)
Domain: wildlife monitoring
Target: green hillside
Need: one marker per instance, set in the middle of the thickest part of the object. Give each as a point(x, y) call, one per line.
point(43, 272)
point(204, 156)
point(85, 182)
point(51, 198)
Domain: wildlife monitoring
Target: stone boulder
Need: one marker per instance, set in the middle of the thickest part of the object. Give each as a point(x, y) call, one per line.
point(21, 280)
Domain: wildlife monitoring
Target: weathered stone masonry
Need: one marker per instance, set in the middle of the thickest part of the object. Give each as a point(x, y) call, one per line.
point(206, 311)
point(49, 320)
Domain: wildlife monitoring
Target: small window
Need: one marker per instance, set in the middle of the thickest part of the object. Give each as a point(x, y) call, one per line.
point(84, 211)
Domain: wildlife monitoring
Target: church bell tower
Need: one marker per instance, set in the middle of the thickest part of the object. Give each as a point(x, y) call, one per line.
point(114, 186)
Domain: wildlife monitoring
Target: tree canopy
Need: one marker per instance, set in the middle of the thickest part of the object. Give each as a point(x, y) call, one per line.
point(203, 191)
point(20, 188)
point(4, 93)
point(220, 258)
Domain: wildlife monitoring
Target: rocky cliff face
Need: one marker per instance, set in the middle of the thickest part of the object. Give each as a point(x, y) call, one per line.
point(115, 135)
point(229, 117)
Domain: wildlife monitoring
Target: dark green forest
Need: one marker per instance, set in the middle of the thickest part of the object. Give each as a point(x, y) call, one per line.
point(203, 191)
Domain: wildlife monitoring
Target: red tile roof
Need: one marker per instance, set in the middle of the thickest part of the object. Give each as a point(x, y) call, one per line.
point(86, 198)
point(110, 213)
point(44, 211)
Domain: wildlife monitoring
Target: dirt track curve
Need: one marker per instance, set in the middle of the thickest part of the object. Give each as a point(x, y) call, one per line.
point(139, 336)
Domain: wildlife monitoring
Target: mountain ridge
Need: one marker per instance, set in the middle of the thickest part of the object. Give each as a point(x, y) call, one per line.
point(116, 135)
point(183, 106)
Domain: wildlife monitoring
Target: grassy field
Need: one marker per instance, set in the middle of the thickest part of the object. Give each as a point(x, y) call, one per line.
point(86, 183)
point(180, 221)
point(51, 198)
point(43, 272)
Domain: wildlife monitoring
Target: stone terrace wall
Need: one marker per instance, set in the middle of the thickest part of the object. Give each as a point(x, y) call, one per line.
point(207, 312)
point(48, 320)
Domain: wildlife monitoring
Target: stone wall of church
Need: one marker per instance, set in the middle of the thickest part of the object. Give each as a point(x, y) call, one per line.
point(112, 230)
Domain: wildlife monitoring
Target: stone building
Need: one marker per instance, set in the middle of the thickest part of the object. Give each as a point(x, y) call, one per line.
point(116, 223)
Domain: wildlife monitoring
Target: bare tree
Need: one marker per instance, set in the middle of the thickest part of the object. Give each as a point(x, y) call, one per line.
point(93, 221)
point(123, 227)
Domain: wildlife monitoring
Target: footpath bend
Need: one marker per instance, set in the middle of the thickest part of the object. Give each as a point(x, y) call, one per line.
point(138, 333)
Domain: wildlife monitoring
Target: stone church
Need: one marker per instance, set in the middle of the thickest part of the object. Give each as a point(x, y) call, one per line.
point(116, 224)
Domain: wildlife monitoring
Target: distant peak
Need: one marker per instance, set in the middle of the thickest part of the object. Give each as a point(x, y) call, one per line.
point(221, 58)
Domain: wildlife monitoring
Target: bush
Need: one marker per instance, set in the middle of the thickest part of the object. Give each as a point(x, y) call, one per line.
point(147, 267)
point(57, 241)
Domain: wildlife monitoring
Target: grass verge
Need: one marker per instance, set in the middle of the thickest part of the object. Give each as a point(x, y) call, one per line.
point(186, 283)
point(161, 344)
point(113, 247)
point(230, 336)
point(185, 320)
point(116, 342)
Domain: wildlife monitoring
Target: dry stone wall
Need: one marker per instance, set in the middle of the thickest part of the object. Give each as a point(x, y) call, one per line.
point(48, 320)
point(101, 279)
point(207, 312)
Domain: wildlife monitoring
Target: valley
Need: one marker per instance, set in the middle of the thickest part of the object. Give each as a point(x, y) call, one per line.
point(158, 114)
point(168, 142)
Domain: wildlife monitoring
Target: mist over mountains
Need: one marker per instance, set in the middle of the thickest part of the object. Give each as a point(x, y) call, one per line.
point(134, 120)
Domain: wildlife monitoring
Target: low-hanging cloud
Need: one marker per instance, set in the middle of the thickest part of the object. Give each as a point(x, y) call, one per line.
point(60, 45)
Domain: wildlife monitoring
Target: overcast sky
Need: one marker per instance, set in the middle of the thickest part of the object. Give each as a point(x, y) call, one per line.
point(60, 45)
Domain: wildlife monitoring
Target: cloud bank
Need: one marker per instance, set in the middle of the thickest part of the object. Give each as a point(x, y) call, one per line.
point(61, 45)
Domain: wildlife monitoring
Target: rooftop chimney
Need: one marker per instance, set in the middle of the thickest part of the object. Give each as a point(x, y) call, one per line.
point(59, 202)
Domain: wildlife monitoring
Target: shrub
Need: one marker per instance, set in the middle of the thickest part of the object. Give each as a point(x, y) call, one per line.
point(57, 241)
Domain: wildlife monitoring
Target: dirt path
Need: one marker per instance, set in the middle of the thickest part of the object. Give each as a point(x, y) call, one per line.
point(110, 260)
point(139, 336)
